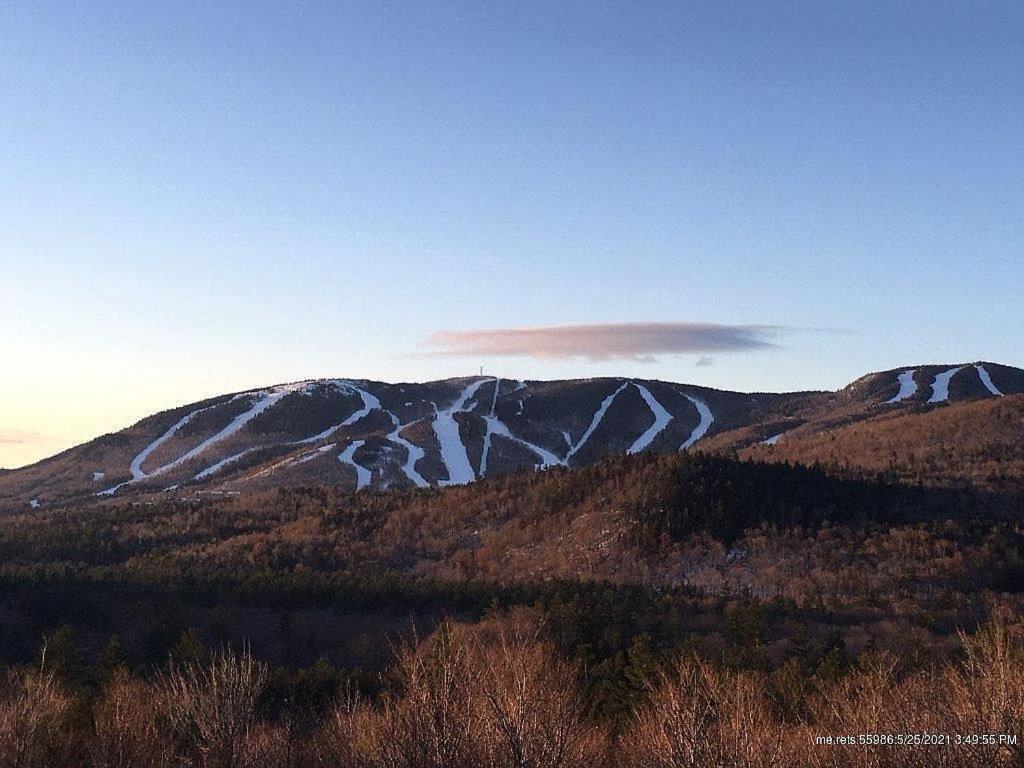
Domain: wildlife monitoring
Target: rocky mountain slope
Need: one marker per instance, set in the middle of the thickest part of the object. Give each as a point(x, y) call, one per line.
point(363, 434)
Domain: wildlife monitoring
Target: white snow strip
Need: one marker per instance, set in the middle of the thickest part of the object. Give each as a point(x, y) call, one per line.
point(413, 452)
point(497, 427)
point(97, 476)
point(136, 466)
point(215, 468)
point(940, 387)
point(370, 403)
point(595, 422)
point(270, 399)
point(661, 420)
point(908, 387)
point(34, 503)
point(489, 431)
point(453, 451)
point(363, 475)
point(568, 438)
point(773, 439)
point(314, 454)
point(706, 420)
point(987, 381)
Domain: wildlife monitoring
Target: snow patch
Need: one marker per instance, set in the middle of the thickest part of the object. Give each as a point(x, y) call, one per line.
point(940, 387)
point(34, 504)
point(987, 381)
point(773, 439)
point(97, 476)
point(661, 420)
point(908, 387)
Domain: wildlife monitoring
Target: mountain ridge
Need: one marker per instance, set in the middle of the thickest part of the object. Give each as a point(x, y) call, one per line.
point(452, 431)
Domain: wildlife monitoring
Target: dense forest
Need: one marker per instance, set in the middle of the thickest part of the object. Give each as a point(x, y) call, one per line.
point(498, 693)
point(778, 595)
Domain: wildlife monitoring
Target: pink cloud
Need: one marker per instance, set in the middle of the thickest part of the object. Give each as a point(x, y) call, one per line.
point(603, 341)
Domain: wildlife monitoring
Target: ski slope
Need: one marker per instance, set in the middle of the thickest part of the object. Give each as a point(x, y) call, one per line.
point(453, 451)
point(413, 452)
point(987, 381)
point(314, 454)
point(706, 420)
point(547, 458)
point(595, 422)
point(347, 456)
point(661, 420)
point(136, 464)
point(489, 430)
point(370, 403)
point(940, 387)
point(908, 387)
point(215, 468)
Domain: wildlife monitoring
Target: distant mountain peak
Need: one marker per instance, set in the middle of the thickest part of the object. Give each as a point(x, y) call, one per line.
point(360, 434)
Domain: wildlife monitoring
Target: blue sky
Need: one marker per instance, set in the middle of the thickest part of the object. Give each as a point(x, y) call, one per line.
point(202, 197)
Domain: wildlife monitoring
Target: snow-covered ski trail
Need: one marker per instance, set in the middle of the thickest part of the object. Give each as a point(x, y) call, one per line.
point(215, 468)
point(453, 451)
point(940, 387)
point(136, 465)
point(370, 403)
point(595, 422)
point(548, 459)
point(908, 387)
point(706, 420)
point(413, 452)
point(495, 426)
point(489, 429)
point(773, 439)
point(316, 453)
point(271, 398)
point(987, 381)
point(363, 475)
point(661, 420)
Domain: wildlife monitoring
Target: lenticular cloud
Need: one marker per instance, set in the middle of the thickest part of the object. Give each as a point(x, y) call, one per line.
point(603, 341)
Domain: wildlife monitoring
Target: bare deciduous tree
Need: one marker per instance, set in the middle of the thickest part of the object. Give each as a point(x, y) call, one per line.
point(31, 708)
point(211, 709)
